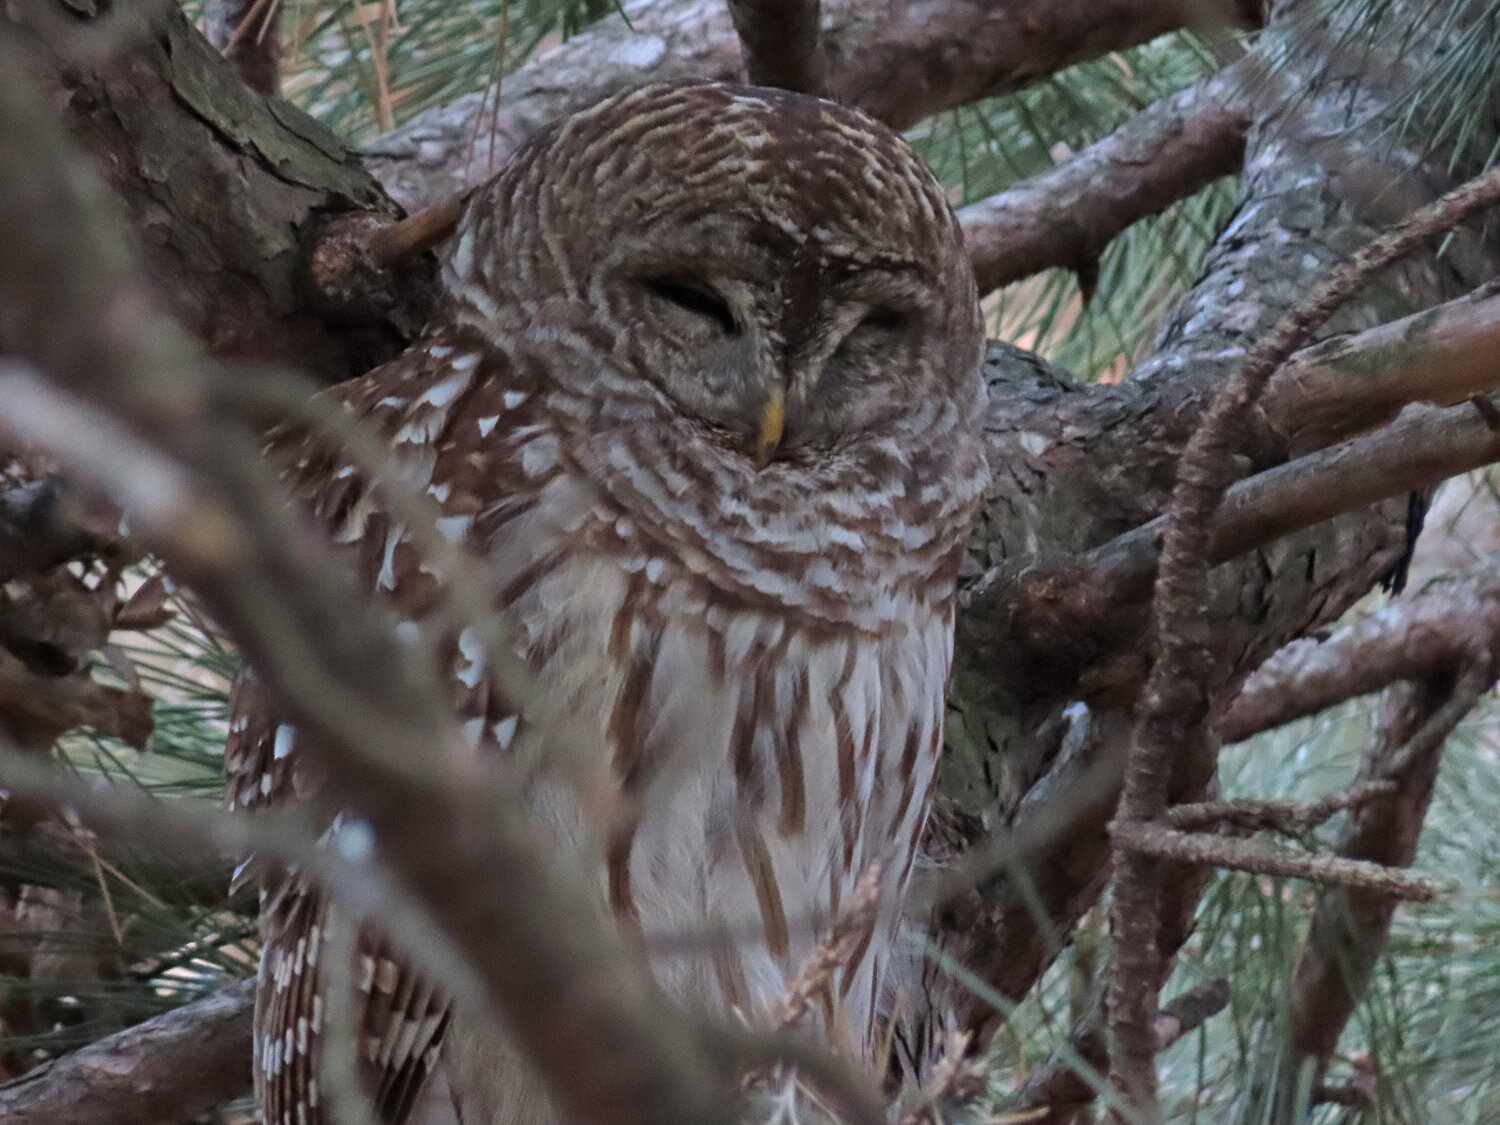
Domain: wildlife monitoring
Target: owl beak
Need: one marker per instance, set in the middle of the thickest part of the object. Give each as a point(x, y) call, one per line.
point(772, 423)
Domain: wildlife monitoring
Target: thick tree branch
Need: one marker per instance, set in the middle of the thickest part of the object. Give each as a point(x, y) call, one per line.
point(226, 190)
point(897, 62)
point(1069, 215)
point(1351, 383)
point(166, 1069)
point(1086, 606)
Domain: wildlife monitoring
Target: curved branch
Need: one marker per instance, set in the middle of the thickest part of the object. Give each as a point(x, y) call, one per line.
point(1423, 635)
point(1067, 216)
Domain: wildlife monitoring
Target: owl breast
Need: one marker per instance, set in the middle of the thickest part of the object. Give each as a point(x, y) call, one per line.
point(728, 769)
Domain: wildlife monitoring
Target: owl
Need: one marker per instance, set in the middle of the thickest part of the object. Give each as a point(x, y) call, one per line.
point(702, 401)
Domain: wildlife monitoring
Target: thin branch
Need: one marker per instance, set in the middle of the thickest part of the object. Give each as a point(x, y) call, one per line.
point(779, 41)
point(168, 1068)
point(1424, 634)
point(1071, 1079)
point(1256, 814)
point(1068, 215)
point(1349, 926)
point(1263, 857)
point(1175, 703)
point(249, 34)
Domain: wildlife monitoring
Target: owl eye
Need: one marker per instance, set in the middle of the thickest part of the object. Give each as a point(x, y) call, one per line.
point(696, 298)
point(883, 318)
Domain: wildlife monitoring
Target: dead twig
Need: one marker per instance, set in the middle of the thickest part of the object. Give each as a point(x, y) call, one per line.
point(1257, 814)
point(1263, 857)
point(1175, 702)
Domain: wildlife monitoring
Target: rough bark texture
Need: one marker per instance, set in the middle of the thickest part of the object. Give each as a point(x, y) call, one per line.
point(898, 61)
point(166, 1069)
point(1068, 216)
point(1452, 618)
point(224, 189)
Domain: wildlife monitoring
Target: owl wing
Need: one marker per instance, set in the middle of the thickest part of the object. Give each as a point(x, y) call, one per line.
point(402, 1018)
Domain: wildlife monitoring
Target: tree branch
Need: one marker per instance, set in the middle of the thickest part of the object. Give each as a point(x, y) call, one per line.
point(226, 190)
point(1256, 814)
point(1263, 857)
point(1352, 383)
point(1070, 214)
point(168, 1068)
point(1176, 699)
point(897, 63)
point(1054, 1092)
point(1349, 925)
point(1425, 634)
point(1086, 605)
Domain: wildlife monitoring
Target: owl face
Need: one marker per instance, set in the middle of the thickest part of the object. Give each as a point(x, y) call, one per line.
point(781, 271)
point(786, 348)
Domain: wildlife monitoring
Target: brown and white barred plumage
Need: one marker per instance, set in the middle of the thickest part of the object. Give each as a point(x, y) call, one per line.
point(756, 632)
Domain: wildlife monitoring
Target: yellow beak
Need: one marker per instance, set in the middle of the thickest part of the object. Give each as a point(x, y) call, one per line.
point(772, 422)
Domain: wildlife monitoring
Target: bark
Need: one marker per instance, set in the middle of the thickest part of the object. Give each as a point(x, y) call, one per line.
point(896, 61)
point(1314, 191)
point(1068, 217)
point(224, 189)
point(169, 1068)
point(1452, 618)
point(1352, 383)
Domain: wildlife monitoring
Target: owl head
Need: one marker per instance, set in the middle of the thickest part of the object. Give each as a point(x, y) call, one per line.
point(781, 272)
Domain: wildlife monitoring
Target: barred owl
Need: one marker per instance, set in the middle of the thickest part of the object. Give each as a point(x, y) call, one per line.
point(703, 399)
